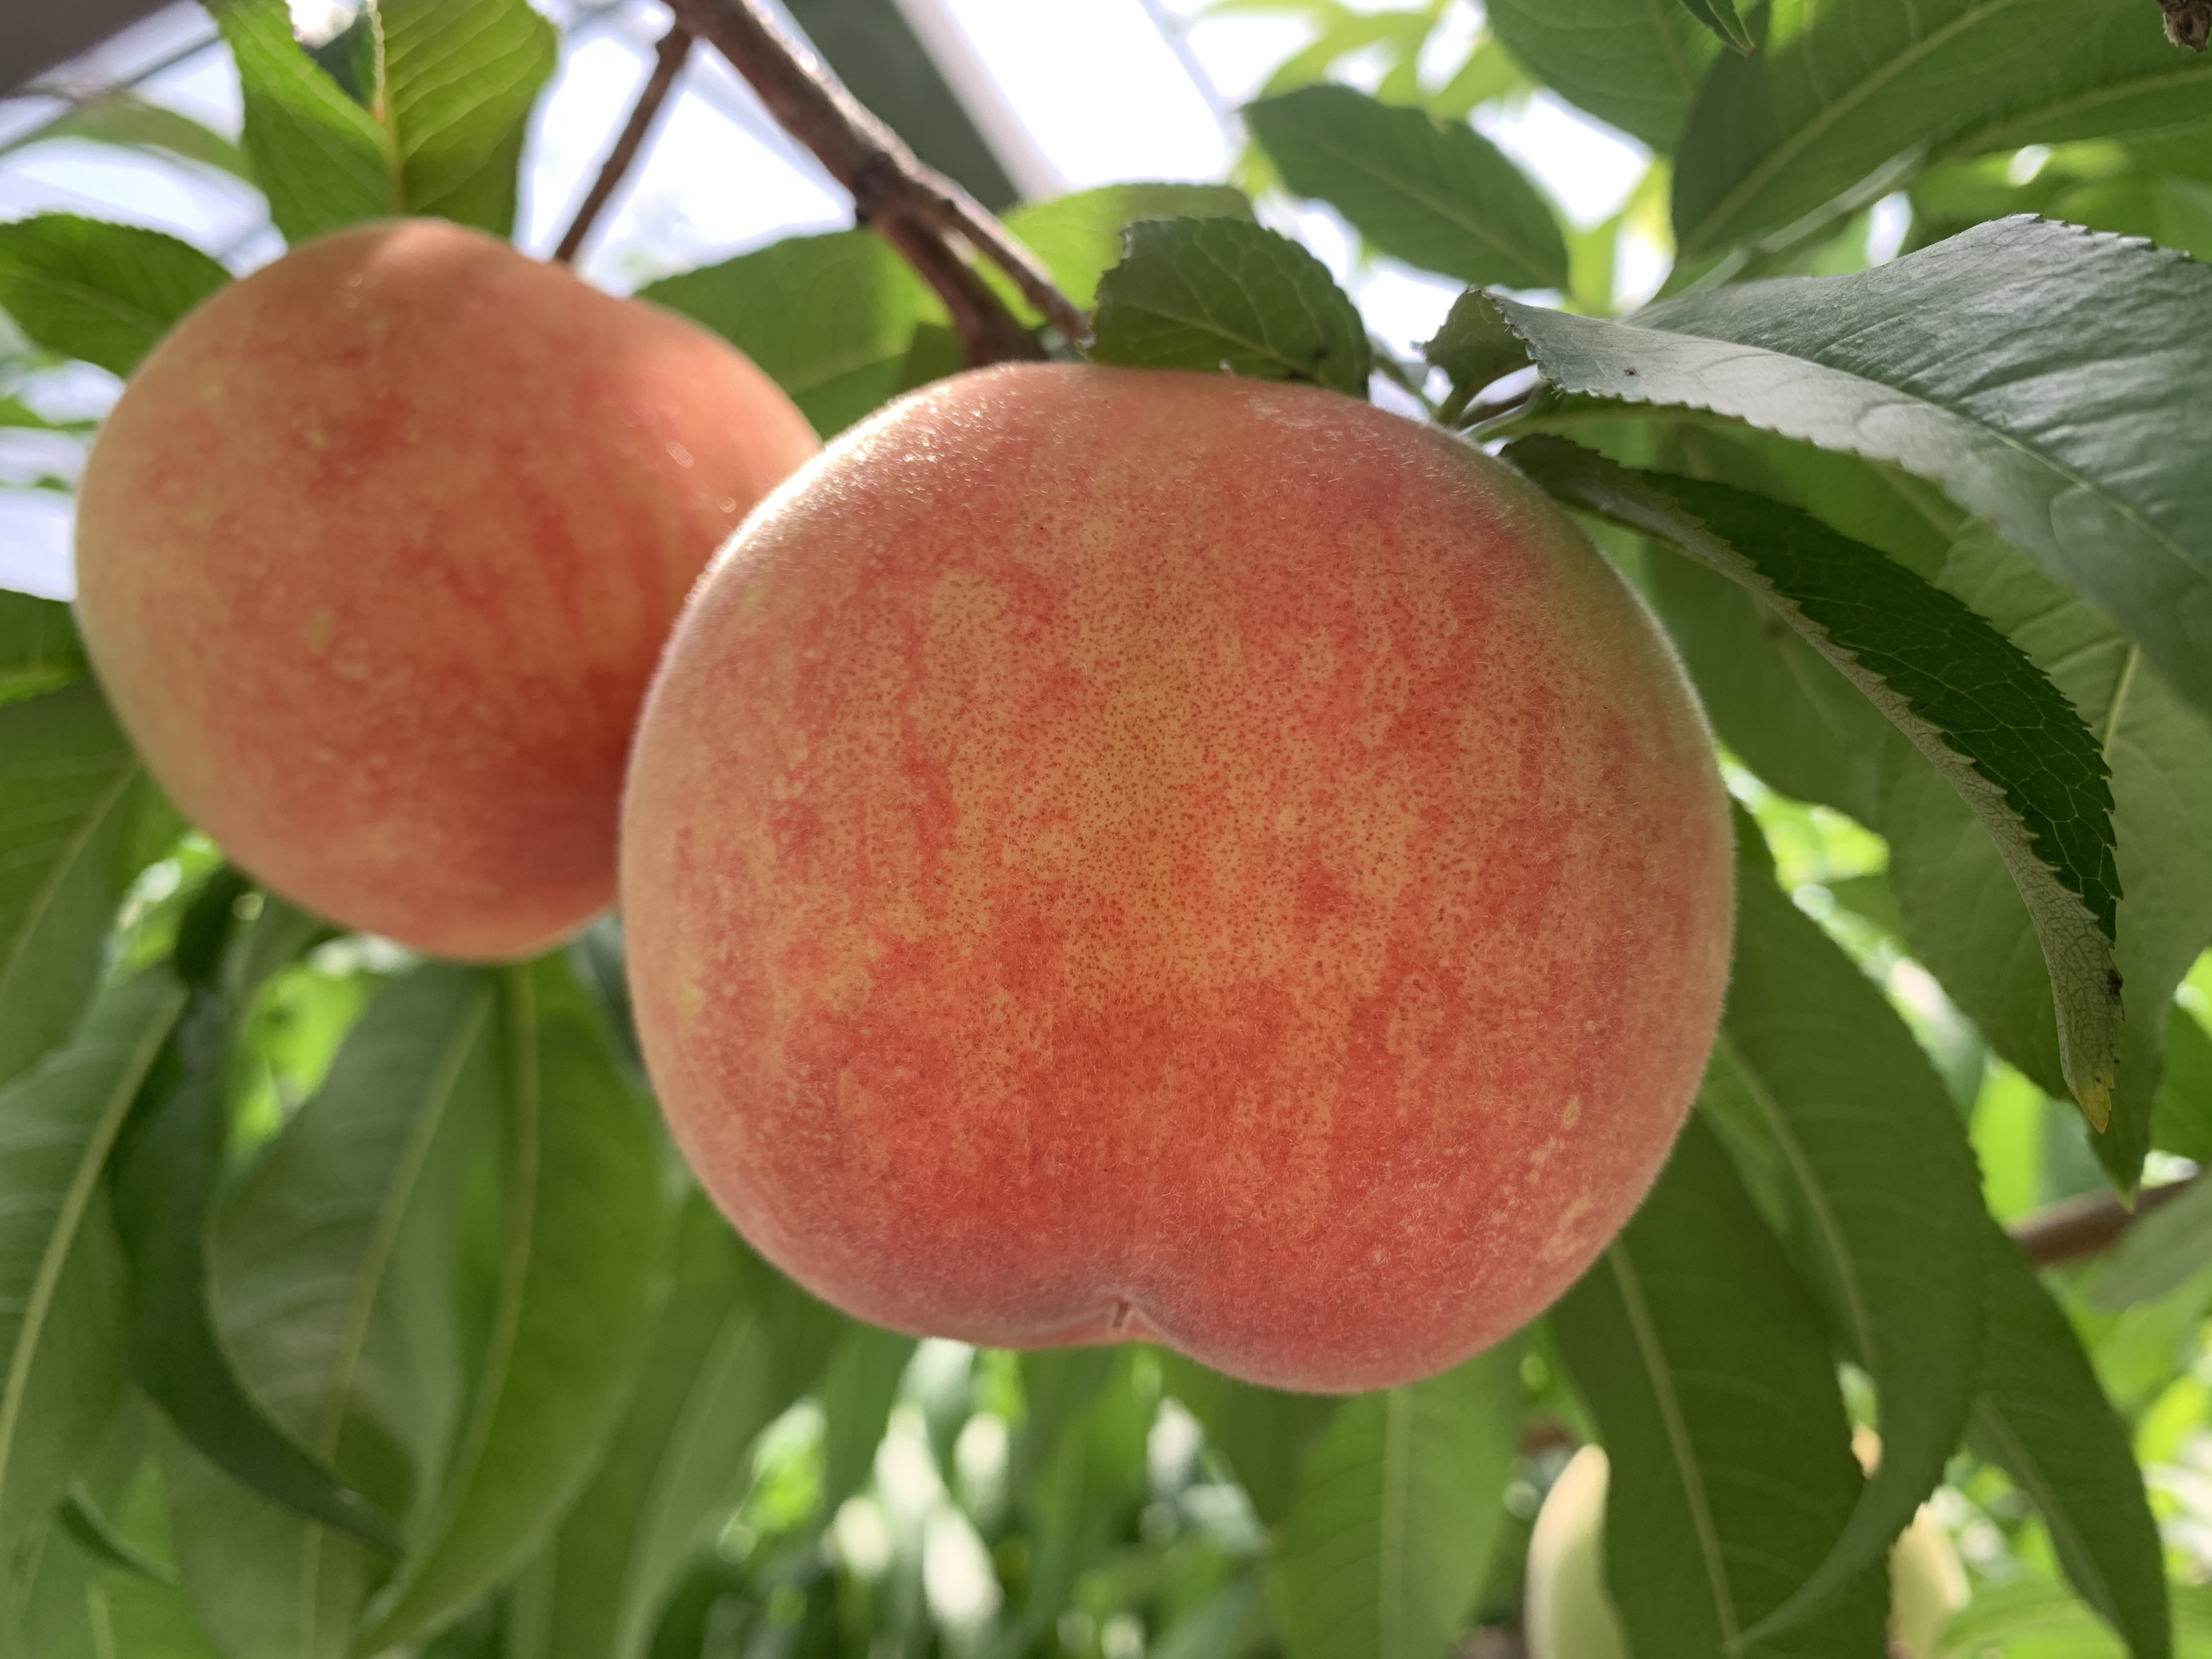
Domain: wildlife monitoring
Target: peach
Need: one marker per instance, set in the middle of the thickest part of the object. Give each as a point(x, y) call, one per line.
point(1117, 852)
point(377, 553)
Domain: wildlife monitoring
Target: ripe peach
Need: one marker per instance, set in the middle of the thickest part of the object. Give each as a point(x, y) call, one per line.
point(377, 553)
point(1115, 852)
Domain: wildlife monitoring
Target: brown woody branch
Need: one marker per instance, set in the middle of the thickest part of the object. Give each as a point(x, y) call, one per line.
point(2087, 1226)
point(922, 214)
point(667, 60)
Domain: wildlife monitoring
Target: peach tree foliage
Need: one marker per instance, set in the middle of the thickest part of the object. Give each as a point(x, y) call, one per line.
point(355, 1304)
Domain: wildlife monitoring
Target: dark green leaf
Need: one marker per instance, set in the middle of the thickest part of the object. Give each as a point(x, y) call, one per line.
point(79, 1516)
point(1818, 1072)
point(1435, 194)
point(72, 794)
point(104, 293)
point(460, 77)
point(734, 1345)
point(1960, 916)
point(1263, 1434)
point(1078, 237)
point(858, 1393)
point(1637, 63)
point(1475, 347)
point(1058, 1386)
point(2041, 1415)
point(2004, 736)
point(333, 1283)
point(1844, 101)
point(321, 159)
point(168, 1171)
point(584, 1229)
point(2080, 436)
point(828, 318)
point(2181, 1120)
point(1220, 294)
point(1720, 16)
point(59, 1279)
point(1732, 1475)
point(1383, 1551)
point(39, 651)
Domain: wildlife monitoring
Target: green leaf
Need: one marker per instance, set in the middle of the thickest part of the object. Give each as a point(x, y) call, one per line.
point(1967, 926)
point(1382, 1552)
point(72, 794)
point(122, 118)
point(2160, 1252)
point(1078, 237)
point(332, 1272)
point(322, 161)
point(1058, 1387)
point(1970, 700)
point(734, 1345)
point(1263, 1434)
point(59, 1290)
point(858, 1392)
point(1720, 16)
point(583, 1232)
point(1815, 1070)
point(2079, 437)
point(1843, 102)
point(103, 292)
point(2042, 1417)
point(168, 1171)
point(460, 77)
point(1637, 63)
point(828, 318)
point(1435, 194)
point(79, 1517)
point(81, 1608)
point(1709, 1372)
point(2181, 1120)
point(39, 651)
point(1475, 347)
point(1220, 294)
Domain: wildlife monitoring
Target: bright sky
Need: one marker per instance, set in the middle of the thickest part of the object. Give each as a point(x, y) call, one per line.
point(1074, 93)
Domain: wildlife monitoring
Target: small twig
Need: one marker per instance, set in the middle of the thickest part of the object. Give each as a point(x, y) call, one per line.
point(667, 60)
point(919, 212)
point(2087, 1226)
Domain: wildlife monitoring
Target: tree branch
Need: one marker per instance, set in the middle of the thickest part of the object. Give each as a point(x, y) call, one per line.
point(667, 60)
point(2088, 1225)
point(919, 212)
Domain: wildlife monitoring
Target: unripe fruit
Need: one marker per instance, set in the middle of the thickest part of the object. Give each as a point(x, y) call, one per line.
point(377, 553)
point(1116, 852)
point(1568, 1613)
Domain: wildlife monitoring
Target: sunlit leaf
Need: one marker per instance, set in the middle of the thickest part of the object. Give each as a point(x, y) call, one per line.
point(460, 77)
point(1636, 63)
point(1216, 294)
point(104, 293)
point(321, 159)
point(39, 651)
point(1078, 237)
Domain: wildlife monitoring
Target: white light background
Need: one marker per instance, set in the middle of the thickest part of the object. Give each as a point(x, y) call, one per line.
point(1072, 93)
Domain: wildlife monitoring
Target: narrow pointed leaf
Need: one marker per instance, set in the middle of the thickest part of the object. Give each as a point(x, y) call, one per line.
point(2006, 739)
point(1434, 193)
point(1720, 16)
point(332, 1288)
point(1220, 293)
point(2041, 1416)
point(1383, 1551)
point(1637, 63)
point(1854, 97)
point(39, 651)
point(72, 794)
point(460, 77)
point(321, 159)
point(2079, 438)
point(1959, 914)
point(585, 1214)
point(735, 1344)
point(1709, 1373)
point(1881, 1182)
point(103, 292)
point(60, 1320)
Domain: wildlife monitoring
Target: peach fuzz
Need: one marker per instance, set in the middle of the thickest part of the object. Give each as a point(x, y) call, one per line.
point(377, 553)
point(1115, 852)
